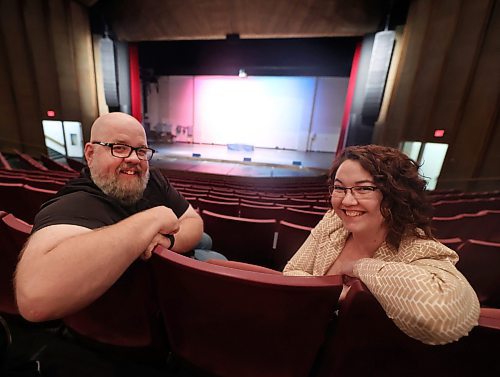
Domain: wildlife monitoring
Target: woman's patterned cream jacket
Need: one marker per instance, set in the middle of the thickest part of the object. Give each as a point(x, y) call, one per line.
point(417, 285)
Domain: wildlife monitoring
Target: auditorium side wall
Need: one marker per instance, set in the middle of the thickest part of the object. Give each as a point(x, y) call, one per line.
point(447, 78)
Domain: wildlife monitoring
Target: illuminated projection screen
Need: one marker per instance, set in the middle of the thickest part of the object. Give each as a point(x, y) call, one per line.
point(264, 112)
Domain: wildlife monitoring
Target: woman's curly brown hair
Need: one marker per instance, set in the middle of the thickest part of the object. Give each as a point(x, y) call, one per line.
point(404, 206)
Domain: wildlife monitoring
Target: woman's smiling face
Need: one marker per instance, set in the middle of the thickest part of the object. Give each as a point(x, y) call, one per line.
point(359, 212)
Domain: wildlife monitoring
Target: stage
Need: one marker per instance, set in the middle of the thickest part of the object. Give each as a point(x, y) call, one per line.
point(259, 162)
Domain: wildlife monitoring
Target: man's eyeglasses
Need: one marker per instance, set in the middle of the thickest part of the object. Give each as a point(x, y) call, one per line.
point(338, 191)
point(124, 150)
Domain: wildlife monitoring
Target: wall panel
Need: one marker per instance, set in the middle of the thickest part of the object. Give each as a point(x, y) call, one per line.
point(479, 115)
point(61, 33)
point(400, 102)
point(10, 136)
point(458, 73)
point(448, 78)
point(434, 51)
point(490, 168)
point(20, 62)
point(84, 64)
point(46, 62)
point(40, 48)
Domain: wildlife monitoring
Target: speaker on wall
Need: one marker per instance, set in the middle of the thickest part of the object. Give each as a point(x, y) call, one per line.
point(380, 61)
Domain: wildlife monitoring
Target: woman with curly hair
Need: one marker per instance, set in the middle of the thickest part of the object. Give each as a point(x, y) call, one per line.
point(379, 231)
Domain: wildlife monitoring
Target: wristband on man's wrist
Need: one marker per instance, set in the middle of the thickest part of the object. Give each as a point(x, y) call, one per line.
point(172, 240)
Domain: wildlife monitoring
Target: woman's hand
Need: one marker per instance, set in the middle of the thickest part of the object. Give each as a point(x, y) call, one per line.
point(342, 267)
point(347, 267)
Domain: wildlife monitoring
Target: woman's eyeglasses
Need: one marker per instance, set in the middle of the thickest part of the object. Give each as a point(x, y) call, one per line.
point(338, 191)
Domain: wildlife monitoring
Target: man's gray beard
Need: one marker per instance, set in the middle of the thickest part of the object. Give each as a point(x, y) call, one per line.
point(111, 186)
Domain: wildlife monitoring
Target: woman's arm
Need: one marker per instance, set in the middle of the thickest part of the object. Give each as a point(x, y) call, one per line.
point(428, 299)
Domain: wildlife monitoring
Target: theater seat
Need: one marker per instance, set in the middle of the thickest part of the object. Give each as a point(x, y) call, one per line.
point(55, 165)
point(229, 322)
point(125, 316)
point(452, 243)
point(482, 225)
point(261, 212)
point(480, 263)
point(75, 164)
point(23, 200)
point(302, 216)
point(365, 342)
point(290, 238)
point(243, 266)
point(13, 235)
point(241, 239)
point(454, 207)
point(219, 206)
point(4, 163)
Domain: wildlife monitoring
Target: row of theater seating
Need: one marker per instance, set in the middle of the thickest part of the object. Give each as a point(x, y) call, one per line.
point(301, 193)
point(300, 214)
point(265, 242)
point(270, 185)
point(278, 240)
point(24, 200)
point(252, 189)
point(453, 204)
point(445, 208)
point(269, 243)
point(261, 200)
point(47, 164)
point(483, 225)
point(480, 225)
point(250, 321)
point(37, 174)
point(437, 195)
point(306, 188)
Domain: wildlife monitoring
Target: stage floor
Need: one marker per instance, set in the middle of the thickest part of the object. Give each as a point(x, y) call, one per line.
point(261, 162)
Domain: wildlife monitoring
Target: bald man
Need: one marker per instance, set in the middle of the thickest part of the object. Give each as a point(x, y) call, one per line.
point(100, 224)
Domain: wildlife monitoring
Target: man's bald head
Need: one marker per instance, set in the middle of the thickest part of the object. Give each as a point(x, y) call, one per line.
point(113, 124)
point(123, 178)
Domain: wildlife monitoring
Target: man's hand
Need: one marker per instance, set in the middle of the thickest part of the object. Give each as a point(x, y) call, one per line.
point(165, 218)
point(168, 223)
point(159, 239)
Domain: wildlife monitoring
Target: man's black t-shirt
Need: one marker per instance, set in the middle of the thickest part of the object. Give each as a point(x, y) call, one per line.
point(81, 202)
point(128, 309)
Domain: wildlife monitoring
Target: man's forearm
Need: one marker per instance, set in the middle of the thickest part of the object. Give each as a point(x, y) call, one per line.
point(67, 276)
point(189, 234)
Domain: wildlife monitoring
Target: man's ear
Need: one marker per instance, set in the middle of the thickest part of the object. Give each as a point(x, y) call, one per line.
point(89, 153)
